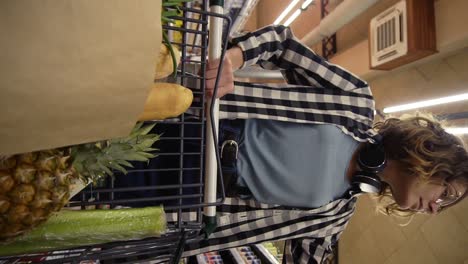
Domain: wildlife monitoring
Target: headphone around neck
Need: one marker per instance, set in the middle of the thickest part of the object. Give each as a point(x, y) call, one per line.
point(371, 160)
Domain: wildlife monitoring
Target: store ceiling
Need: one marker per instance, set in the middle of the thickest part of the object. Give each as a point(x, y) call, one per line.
point(445, 75)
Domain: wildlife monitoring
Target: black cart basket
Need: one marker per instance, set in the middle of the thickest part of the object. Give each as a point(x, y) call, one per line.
point(176, 177)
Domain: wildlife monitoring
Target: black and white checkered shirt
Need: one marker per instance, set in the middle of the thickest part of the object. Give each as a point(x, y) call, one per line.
point(316, 92)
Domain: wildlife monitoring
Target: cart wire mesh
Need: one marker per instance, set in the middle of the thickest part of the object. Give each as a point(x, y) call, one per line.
point(174, 179)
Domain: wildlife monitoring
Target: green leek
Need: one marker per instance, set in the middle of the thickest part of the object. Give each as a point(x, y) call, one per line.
point(68, 229)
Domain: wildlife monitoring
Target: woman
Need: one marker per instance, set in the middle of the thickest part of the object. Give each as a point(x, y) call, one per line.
point(295, 155)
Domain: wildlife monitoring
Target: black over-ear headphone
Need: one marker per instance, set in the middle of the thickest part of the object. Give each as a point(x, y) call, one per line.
point(371, 160)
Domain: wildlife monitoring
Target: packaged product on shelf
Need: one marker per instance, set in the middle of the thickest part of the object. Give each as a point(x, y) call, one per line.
point(210, 258)
point(274, 250)
point(248, 255)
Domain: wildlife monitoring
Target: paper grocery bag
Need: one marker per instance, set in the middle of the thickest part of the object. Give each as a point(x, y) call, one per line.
point(74, 71)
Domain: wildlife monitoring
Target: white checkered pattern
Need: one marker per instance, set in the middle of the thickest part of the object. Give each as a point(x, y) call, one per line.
point(317, 92)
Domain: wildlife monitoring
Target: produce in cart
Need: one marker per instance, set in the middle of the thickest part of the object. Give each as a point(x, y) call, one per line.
point(34, 185)
point(166, 100)
point(165, 65)
point(169, 57)
point(68, 228)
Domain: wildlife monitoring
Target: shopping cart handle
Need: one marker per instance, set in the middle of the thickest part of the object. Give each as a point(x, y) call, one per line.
point(211, 224)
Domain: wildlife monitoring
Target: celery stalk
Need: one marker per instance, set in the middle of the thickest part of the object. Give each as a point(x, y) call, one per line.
point(68, 229)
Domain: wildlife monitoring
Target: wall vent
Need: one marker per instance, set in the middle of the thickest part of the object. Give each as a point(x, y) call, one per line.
point(389, 35)
point(397, 36)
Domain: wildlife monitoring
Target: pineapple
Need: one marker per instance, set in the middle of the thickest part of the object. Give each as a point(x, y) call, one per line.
point(34, 185)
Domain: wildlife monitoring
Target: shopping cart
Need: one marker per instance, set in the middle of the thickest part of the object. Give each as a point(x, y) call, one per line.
point(182, 187)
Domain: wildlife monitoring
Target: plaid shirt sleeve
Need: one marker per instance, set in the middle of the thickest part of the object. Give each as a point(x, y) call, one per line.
point(276, 48)
point(309, 251)
point(316, 91)
point(309, 234)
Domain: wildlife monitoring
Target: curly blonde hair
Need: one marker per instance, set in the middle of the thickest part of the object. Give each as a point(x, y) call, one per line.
point(420, 143)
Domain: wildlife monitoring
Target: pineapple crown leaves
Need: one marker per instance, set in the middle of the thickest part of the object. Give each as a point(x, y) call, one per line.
point(94, 161)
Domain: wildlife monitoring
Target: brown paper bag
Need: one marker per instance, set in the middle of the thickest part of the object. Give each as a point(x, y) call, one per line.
point(74, 71)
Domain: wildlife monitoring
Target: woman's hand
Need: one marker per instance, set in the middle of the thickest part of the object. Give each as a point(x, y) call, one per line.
point(233, 60)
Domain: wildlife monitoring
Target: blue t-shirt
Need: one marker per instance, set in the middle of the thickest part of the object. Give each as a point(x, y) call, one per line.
point(293, 164)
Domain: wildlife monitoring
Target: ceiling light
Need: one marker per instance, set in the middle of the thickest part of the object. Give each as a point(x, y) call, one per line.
point(306, 4)
point(457, 130)
point(293, 17)
point(286, 12)
point(427, 103)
